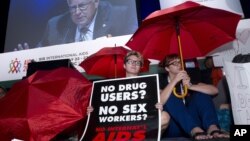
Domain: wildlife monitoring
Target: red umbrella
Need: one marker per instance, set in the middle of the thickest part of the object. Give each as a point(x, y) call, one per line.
point(44, 105)
point(188, 29)
point(108, 62)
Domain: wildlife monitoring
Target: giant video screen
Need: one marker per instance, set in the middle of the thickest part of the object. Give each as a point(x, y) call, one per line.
point(41, 23)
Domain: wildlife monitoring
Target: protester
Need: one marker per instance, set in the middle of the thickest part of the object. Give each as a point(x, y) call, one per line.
point(212, 74)
point(133, 62)
point(193, 116)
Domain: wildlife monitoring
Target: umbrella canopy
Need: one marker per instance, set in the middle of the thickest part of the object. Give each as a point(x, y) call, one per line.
point(44, 105)
point(190, 28)
point(108, 62)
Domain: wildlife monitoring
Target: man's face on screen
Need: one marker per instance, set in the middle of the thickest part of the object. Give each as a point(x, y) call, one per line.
point(82, 11)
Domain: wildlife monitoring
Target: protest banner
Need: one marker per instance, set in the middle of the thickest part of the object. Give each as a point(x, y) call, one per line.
point(124, 110)
point(238, 78)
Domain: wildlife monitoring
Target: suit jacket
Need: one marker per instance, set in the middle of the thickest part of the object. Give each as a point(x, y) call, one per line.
point(112, 20)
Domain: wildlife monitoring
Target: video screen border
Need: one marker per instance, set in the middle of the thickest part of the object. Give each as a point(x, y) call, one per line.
point(35, 19)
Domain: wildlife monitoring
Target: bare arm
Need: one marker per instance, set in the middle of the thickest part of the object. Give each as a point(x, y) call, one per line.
point(183, 76)
point(166, 92)
point(204, 88)
point(200, 87)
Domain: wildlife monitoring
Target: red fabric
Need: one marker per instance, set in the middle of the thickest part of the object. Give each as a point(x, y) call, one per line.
point(202, 29)
point(216, 75)
point(45, 104)
point(108, 62)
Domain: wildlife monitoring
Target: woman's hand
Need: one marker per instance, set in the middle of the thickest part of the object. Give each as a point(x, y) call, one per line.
point(90, 109)
point(182, 75)
point(186, 81)
point(159, 106)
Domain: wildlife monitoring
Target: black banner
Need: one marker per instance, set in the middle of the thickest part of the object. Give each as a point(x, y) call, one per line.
point(124, 110)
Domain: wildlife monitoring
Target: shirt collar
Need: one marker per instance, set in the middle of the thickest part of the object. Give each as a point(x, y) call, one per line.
point(89, 33)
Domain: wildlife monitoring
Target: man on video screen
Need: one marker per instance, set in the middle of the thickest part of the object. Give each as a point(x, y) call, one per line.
point(86, 20)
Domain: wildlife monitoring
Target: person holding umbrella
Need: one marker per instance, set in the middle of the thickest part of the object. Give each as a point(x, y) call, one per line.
point(193, 116)
point(133, 63)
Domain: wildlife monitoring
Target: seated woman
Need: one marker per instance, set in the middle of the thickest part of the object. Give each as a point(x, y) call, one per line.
point(193, 116)
point(133, 62)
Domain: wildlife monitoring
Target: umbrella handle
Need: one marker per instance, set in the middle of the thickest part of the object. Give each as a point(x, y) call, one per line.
point(182, 95)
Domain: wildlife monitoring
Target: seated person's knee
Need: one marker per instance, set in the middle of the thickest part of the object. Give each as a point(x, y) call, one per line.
point(165, 118)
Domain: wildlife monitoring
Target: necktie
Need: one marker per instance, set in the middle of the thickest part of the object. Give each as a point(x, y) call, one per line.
point(83, 32)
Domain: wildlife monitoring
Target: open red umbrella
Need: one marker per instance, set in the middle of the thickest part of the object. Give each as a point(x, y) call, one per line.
point(108, 62)
point(44, 105)
point(188, 29)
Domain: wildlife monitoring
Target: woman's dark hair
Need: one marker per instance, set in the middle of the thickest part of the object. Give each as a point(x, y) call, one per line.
point(167, 59)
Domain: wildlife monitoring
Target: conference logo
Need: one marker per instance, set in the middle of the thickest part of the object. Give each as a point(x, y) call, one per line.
point(17, 66)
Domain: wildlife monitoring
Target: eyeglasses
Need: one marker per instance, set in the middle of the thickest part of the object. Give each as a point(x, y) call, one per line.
point(81, 7)
point(175, 63)
point(137, 63)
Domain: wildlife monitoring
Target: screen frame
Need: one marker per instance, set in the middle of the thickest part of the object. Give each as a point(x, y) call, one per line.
point(9, 44)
